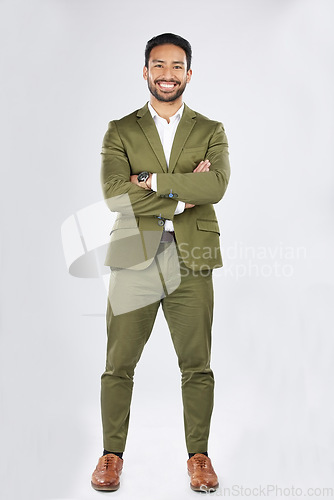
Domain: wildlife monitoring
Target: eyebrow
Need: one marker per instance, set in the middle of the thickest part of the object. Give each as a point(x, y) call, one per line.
point(161, 61)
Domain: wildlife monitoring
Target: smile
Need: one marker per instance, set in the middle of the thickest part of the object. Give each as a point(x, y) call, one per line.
point(167, 86)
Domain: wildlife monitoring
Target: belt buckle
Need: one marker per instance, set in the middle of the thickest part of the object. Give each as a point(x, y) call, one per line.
point(167, 236)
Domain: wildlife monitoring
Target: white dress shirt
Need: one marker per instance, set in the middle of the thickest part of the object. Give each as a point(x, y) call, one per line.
point(167, 133)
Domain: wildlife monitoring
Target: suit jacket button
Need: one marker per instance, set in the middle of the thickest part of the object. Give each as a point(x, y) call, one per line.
point(170, 195)
point(161, 222)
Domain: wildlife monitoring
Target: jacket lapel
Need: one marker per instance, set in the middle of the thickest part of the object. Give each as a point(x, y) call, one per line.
point(147, 125)
point(183, 130)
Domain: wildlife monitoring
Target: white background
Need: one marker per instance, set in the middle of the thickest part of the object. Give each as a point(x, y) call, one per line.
point(265, 69)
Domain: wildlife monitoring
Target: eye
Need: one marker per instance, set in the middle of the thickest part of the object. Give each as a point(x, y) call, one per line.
point(158, 65)
point(177, 67)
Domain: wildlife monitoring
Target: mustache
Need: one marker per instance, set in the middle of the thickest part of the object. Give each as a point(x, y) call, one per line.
point(167, 81)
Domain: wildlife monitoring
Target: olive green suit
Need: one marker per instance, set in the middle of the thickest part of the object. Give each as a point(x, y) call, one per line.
point(143, 270)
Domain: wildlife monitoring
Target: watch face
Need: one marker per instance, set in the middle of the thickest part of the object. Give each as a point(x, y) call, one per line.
point(143, 176)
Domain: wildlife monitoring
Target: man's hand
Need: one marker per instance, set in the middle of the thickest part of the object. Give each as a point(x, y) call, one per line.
point(203, 166)
point(144, 185)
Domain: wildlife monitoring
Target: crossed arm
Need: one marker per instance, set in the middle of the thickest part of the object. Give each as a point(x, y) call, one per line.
point(203, 166)
point(198, 189)
point(192, 189)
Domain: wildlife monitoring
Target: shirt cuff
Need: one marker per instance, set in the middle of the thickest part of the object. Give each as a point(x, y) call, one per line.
point(180, 204)
point(154, 185)
point(179, 207)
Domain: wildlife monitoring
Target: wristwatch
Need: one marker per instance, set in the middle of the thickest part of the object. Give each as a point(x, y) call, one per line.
point(142, 177)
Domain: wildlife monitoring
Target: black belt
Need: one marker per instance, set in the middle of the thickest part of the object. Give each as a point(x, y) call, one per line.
point(167, 236)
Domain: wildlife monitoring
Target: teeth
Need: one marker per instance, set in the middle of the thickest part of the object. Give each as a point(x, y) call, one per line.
point(167, 85)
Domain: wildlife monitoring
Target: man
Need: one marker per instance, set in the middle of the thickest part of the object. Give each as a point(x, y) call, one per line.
point(163, 167)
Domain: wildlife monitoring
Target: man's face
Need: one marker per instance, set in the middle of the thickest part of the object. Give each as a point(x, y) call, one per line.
point(167, 74)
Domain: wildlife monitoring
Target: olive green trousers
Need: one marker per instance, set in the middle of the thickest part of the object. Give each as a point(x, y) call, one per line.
point(186, 298)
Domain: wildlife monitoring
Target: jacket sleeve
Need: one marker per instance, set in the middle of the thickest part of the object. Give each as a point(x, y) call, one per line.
point(203, 187)
point(122, 195)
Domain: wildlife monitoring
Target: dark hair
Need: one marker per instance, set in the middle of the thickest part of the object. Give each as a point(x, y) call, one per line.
point(168, 38)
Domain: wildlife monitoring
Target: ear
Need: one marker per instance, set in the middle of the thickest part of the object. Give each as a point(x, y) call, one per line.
point(189, 74)
point(145, 72)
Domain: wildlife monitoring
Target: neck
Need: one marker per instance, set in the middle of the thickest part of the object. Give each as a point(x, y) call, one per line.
point(166, 109)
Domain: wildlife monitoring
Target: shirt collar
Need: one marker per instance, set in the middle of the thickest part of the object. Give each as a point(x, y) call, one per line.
point(178, 114)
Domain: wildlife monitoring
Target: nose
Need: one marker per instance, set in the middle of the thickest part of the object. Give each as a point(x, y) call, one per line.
point(168, 74)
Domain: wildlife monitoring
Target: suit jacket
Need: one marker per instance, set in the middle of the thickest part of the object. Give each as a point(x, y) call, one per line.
point(132, 145)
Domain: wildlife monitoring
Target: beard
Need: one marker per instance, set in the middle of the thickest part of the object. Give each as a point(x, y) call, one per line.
point(168, 97)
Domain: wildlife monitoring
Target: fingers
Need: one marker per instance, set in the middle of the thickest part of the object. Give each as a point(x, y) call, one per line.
point(189, 205)
point(203, 166)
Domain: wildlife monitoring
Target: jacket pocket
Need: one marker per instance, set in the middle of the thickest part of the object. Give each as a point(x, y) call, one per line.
point(194, 150)
point(125, 223)
point(208, 225)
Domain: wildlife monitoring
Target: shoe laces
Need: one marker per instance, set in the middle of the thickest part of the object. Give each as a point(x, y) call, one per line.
point(201, 461)
point(108, 461)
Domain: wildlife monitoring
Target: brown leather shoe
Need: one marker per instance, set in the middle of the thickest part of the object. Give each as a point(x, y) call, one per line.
point(106, 475)
point(202, 474)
